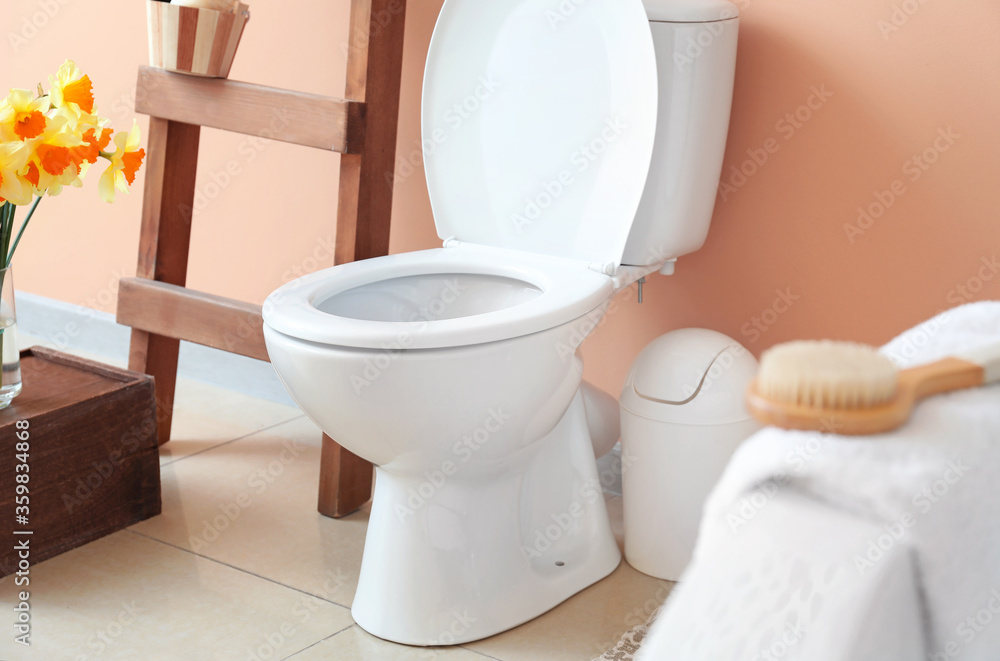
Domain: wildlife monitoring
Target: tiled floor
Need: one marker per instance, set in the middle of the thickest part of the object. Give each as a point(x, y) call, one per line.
point(241, 567)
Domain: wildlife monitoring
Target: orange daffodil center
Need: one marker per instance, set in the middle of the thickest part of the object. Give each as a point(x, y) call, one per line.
point(22, 116)
point(48, 141)
point(30, 125)
point(72, 90)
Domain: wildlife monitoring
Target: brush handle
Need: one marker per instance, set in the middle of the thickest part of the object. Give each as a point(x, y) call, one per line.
point(945, 375)
point(987, 357)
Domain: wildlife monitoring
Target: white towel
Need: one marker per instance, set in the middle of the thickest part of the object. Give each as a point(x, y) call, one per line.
point(928, 495)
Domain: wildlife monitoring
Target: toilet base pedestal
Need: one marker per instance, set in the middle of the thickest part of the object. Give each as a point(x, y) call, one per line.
point(458, 555)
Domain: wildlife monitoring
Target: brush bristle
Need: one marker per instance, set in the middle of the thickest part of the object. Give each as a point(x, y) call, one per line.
point(826, 374)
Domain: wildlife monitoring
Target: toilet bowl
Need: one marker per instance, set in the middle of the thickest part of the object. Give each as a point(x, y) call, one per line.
point(454, 370)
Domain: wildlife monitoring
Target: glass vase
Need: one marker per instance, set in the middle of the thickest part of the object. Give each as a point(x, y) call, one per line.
point(8, 340)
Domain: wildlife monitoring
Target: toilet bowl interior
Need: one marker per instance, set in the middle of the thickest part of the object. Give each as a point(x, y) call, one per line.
point(429, 297)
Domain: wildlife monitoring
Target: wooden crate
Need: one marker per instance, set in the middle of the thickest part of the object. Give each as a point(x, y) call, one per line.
point(93, 455)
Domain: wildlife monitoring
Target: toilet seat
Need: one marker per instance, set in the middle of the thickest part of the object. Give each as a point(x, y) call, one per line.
point(567, 290)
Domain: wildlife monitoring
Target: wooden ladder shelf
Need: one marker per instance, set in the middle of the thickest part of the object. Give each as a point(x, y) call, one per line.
point(159, 308)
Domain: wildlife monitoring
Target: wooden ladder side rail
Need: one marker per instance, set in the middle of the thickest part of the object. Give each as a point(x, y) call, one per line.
point(156, 303)
point(164, 240)
point(374, 75)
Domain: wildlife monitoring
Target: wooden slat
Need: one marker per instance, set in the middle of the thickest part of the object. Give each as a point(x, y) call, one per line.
point(185, 314)
point(164, 239)
point(374, 69)
point(296, 117)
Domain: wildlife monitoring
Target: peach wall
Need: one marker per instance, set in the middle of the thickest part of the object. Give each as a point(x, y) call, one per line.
point(884, 85)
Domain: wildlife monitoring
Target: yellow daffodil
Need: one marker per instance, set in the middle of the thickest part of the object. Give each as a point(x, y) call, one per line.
point(22, 115)
point(125, 162)
point(72, 90)
point(49, 141)
point(13, 188)
point(56, 160)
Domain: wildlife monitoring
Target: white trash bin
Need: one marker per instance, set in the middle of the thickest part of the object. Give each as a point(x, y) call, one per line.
point(683, 414)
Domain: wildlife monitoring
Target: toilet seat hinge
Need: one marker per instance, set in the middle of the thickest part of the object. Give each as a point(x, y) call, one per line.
point(451, 242)
point(607, 268)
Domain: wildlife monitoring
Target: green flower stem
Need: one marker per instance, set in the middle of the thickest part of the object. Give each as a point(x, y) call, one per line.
point(7, 214)
point(9, 256)
point(6, 228)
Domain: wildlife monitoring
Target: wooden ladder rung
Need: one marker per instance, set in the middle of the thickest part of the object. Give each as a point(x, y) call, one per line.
point(193, 316)
point(267, 112)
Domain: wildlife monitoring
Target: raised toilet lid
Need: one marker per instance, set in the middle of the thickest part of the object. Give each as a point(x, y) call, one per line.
point(538, 120)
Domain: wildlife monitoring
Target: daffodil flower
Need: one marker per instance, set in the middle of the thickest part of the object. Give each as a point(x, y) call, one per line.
point(72, 90)
point(13, 188)
point(56, 158)
point(22, 115)
point(125, 162)
point(49, 140)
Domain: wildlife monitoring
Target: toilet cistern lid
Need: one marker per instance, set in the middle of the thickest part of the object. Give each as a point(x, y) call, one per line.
point(538, 120)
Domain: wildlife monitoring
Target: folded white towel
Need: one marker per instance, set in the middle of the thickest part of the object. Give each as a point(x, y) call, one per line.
point(930, 492)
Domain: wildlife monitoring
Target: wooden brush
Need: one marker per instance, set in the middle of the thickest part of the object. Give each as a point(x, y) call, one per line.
point(853, 389)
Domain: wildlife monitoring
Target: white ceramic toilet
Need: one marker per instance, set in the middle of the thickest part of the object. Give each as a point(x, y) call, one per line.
point(454, 370)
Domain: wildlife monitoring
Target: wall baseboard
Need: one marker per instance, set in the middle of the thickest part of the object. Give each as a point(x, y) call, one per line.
point(76, 328)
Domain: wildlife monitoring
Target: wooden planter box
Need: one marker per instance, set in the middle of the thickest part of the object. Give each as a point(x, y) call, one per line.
point(93, 457)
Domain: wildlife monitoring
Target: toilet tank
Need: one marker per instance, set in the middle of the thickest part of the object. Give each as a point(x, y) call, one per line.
point(695, 43)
